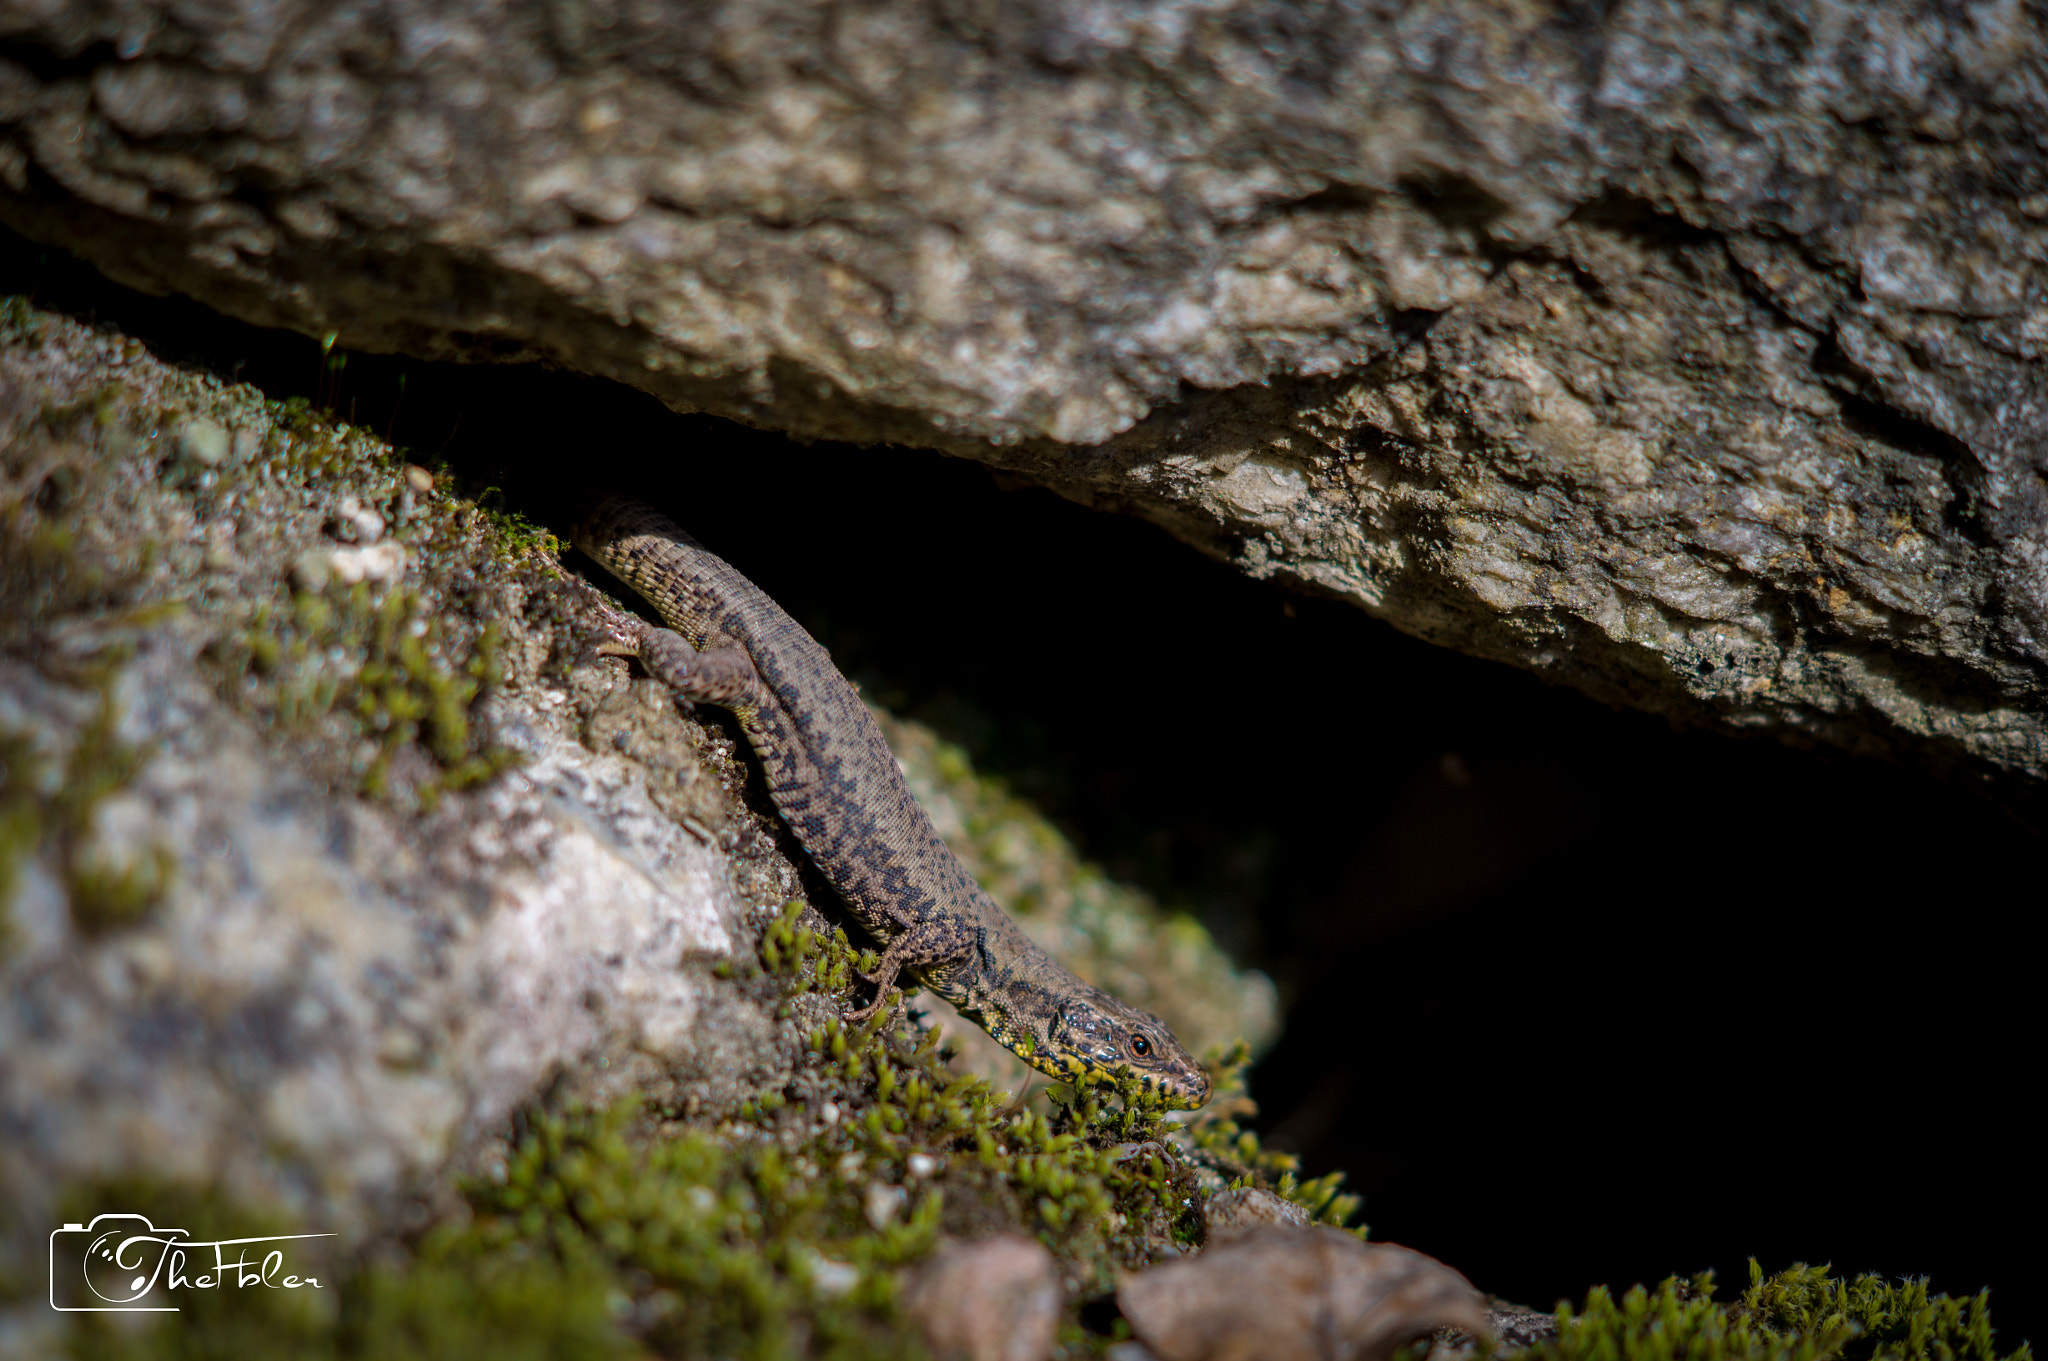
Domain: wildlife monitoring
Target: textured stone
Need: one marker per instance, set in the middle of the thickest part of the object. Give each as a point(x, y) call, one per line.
point(1688, 356)
point(1296, 1294)
point(996, 1300)
point(1246, 1209)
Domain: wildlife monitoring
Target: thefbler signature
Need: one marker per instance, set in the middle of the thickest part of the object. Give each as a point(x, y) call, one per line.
point(122, 1261)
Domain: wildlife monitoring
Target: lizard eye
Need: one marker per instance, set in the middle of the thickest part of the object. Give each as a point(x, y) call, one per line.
point(1141, 1047)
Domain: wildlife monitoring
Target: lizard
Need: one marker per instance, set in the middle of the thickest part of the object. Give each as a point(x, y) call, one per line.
point(838, 788)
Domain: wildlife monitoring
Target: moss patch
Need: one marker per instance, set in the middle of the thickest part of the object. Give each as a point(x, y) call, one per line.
point(787, 1230)
point(21, 818)
point(106, 890)
point(351, 599)
point(436, 1303)
point(381, 659)
point(1804, 1314)
point(404, 660)
point(105, 893)
point(784, 1227)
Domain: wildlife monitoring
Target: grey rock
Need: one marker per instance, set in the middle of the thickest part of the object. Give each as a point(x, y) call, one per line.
point(227, 964)
point(1241, 1210)
point(1296, 1294)
point(1517, 1328)
point(1693, 362)
point(1512, 1329)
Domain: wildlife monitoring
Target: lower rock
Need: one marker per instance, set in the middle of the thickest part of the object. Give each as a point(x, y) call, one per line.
point(996, 1300)
point(1288, 1294)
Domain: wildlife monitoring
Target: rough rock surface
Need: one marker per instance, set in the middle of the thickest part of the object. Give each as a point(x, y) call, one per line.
point(1690, 354)
point(325, 841)
point(1296, 1294)
point(1240, 1210)
point(249, 943)
point(996, 1300)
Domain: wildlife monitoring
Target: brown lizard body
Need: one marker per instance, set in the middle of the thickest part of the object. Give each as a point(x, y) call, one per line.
point(837, 785)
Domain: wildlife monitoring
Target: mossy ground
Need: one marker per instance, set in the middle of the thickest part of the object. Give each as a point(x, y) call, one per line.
point(48, 803)
point(1802, 1314)
point(98, 502)
point(788, 1228)
point(404, 661)
point(374, 684)
point(782, 1228)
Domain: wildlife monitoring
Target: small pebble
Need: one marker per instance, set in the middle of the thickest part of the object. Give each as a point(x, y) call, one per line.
point(833, 1279)
point(367, 562)
point(1295, 1294)
point(202, 441)
point(883, 1203)
point(1231, 1214)
point(355, 522)
point(220, 548)
point(312, 570)
point(1515, 1329)
point(921, 1165)
point(996, 1300)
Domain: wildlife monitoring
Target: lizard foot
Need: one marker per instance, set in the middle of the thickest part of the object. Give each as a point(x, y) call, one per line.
point(930, 943)
point(890, 994)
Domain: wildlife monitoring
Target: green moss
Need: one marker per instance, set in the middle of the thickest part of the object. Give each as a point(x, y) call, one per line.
point(1101, 1176)
point(451, 1300)
point(736, 1247)
point(1803, 1314)
point(386, 659)
point(445, 1306)
point(21, 820)
point(405, 663)
point(1237, 1153)
point(1888, 1319)
point(213, 1324)
point(785, 1229)
point(107, 897)
point(104, 894)
point(20, 322)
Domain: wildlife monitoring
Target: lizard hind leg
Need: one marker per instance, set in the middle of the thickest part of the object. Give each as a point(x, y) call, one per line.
point(723, 676)
point(928, 943)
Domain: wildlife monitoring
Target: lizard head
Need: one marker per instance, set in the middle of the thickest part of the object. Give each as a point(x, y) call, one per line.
point(1094, 1035)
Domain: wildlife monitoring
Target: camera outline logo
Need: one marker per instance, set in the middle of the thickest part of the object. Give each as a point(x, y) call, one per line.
point(120, 1259)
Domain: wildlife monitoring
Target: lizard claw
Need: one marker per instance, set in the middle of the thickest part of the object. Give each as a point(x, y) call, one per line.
point(883, 995)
